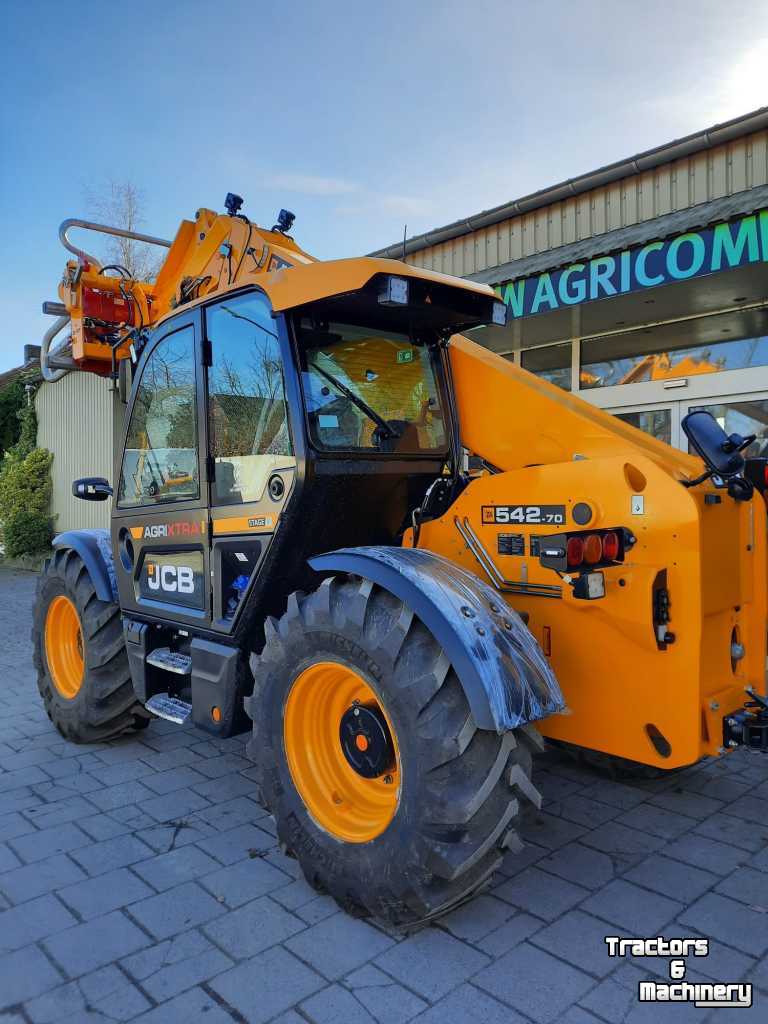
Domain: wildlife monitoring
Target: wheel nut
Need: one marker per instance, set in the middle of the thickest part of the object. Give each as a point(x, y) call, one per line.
point(467, 611)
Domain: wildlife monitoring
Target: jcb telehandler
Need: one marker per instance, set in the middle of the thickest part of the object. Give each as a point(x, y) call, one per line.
point(391, 550)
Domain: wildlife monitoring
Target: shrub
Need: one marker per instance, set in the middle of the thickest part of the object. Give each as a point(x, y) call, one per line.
point(25, 483)
point(27, 533)
point(25, 491)
point(27, 441)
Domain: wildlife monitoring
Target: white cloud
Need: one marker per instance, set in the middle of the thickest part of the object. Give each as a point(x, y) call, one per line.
point(745, 85)
point(400, 207)
point(404, 206)
point(310, 184)
point(720, 93)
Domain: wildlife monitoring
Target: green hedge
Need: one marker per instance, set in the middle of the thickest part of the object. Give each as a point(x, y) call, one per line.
point(27, 533)
point(26, 527)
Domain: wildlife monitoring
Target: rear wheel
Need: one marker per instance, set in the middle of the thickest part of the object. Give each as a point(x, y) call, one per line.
point(381, 784)
point(79, 654)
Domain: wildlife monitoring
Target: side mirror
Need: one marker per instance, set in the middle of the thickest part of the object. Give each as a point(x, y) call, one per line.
point(92, 488)
point(720, 451)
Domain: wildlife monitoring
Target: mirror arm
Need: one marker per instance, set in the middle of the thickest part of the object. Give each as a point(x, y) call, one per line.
point(698, 480)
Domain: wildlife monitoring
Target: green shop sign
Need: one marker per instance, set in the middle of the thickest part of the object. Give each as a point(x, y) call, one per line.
point(695, 254)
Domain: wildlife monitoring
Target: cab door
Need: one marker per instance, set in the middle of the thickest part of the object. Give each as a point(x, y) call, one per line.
point(160, 518)
point(252, 464)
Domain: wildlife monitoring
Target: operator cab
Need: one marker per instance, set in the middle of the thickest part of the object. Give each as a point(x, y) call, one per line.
point(257, 438)
point(243, 420)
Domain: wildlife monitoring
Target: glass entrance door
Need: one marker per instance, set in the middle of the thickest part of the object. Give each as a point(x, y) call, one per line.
point(660, 421)
point(741, 414)
point(737, 414)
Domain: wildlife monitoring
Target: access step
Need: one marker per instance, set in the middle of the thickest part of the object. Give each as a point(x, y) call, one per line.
point(170, 661)
point(170, 708)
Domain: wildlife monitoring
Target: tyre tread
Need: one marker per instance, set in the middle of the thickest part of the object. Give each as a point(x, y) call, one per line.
point(473, 781)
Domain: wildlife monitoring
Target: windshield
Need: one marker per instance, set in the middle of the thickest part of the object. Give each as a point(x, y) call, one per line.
point(367, 389)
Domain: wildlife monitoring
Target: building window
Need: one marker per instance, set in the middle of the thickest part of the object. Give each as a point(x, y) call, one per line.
point(732, 341)
point(748, 417)
point(656, 422)
point(552, 362)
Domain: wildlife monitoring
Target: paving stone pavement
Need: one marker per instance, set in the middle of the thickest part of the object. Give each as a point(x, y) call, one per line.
point(140, 880)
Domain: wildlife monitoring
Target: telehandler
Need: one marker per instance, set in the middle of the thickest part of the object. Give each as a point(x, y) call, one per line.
point(389, 552)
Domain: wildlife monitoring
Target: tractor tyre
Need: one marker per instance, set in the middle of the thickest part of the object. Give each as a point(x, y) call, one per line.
point(366, 752)
point(80, 658)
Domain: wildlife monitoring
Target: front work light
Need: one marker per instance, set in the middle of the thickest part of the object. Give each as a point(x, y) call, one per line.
point(499, 314)
point(393, 291)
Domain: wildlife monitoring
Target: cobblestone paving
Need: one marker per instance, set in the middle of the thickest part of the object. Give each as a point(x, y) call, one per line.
point(139, 880)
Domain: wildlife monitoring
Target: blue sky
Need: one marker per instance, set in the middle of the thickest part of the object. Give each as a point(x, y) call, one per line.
point(359, 116)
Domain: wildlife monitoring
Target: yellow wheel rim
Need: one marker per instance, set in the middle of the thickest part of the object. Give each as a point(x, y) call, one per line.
point(341, 801)
point(64, 646)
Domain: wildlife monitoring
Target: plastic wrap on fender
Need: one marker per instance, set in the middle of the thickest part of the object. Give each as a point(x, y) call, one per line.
point(507, 680)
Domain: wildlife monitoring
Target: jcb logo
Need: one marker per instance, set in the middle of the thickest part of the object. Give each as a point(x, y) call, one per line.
point(174, 579)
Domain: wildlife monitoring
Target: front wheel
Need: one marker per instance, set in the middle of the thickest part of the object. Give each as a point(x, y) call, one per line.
point(79, 654)
point(381, 784)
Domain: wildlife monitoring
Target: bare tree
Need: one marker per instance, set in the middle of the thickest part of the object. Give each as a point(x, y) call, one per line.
point(120, 204)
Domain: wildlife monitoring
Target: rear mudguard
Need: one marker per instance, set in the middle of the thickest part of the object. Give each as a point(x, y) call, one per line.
point(95, 549)
point(506, 678)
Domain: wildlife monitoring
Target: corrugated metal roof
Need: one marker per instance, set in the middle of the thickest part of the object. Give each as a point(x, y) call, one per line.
point(635, 234)
point(8, 376)
point(695, 143)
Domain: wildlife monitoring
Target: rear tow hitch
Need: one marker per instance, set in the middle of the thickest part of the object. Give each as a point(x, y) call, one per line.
point(749, 726)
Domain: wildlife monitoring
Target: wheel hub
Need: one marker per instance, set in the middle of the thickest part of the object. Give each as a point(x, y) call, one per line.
point(63, 639)
point(352, 805)
point(366, 741)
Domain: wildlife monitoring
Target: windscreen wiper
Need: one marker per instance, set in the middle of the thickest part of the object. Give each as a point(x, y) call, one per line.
point(362, 405)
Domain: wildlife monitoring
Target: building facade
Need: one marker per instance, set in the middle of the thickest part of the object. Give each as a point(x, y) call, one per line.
point(78, 419)
point(642, 286)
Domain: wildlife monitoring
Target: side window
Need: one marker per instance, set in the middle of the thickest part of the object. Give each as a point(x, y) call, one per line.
point(247, 416)
point(160, 459)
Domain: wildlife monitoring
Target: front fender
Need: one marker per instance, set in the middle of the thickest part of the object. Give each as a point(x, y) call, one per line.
point(95, 549)
point(505, 676)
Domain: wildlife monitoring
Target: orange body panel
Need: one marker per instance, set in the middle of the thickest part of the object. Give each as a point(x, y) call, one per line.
point(548, 447)
point(555, 449)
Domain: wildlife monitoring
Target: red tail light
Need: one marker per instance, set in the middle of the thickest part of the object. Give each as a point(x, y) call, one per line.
point(610, 546)
point(593, 548)
point(574, 552)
